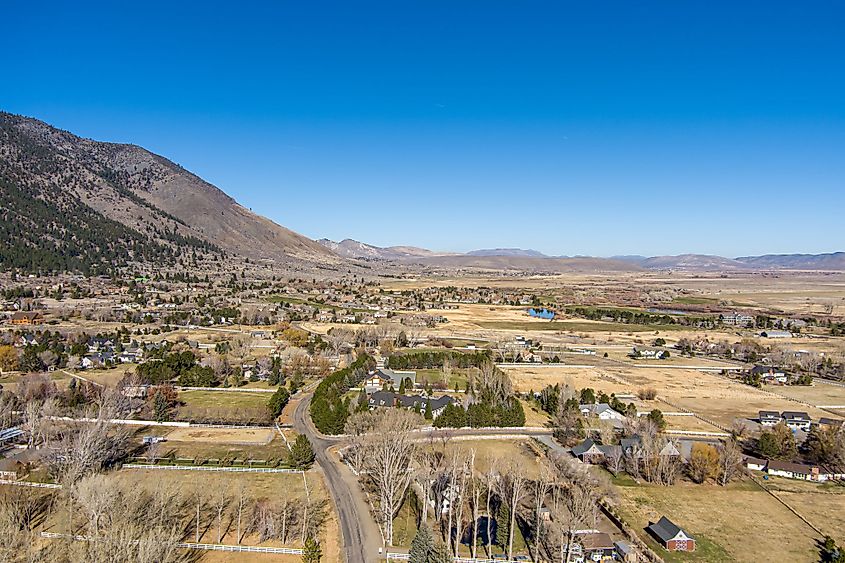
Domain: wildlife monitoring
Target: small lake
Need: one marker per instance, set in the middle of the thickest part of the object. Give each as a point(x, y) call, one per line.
point(667, 311)
point(542, 313)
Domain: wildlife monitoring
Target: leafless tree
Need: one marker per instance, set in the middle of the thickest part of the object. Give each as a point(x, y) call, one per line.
point(513, 487)
point(476, 489)
point(390, 452)
point(241, 500)
point(614, 460)
point(491, 481)
point(542, 485)
point(730, 461)
point(222, 500)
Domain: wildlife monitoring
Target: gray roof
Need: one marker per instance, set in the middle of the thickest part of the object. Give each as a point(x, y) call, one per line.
point(664, 529)
point(583, 447)
point(389, 399)
point(795, 415)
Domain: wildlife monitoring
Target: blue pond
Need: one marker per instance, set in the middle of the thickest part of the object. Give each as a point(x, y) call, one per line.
point(542, 313)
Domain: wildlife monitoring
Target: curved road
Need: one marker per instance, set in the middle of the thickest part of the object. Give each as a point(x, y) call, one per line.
point(360, 537)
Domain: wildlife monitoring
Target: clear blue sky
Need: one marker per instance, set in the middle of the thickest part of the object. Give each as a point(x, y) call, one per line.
point(570, 127)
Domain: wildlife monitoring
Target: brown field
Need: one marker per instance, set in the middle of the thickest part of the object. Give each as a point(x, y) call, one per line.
point(820, 504)
point(704, 393)
point(816, 394)
point(721, 518)
point(277, 485)
point(527, 378)
point(223, 435)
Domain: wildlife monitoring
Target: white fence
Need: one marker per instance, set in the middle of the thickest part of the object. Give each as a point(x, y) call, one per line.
point(406, 557)
point(206, 468)
point(225, 389)
point(200, 546)
point(30, 484)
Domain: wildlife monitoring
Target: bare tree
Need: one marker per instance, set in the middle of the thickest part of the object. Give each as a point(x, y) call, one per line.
point(390, 452)
point(541, 487)
point(221, 503)
point(513, 487)
point(730, 461)
point(241, 500)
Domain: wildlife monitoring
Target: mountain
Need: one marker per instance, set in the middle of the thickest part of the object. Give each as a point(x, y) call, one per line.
point(528, 263)
point(70, 203)
point(507, 252)
point(831, 261)
point(690, 262)
point(349, 248)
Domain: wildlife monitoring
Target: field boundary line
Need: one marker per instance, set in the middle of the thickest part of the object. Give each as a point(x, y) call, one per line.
point(192, 545)
point(207, 468)
point(30, 484)
point(783, 502)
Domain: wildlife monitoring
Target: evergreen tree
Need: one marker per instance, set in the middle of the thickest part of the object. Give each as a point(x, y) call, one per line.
point(160, 407)
point(428, 413)
point(422, 545)
point(503, 518)
point(301, 453)
point(311, 551)
point(278, 401)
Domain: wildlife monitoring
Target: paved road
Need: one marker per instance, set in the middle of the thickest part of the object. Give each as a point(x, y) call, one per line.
point(360, 536)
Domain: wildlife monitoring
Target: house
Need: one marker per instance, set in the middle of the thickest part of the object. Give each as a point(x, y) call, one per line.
point(796, 420)
point(737, 319)
point(776, 334)
point(27, 318)
point(27, 340)
point(652, 354)
point(831, 422)
point(792, 470)
point(625, 551)
point(770, 374)
point(381, 399)
point(9, 434)
point(11, 469)
point(755, 463)
point(802, 472)
point(149, 440)
point(671, 536)
point(768, 418)
point(597, 546)
point(600, 410)
point(135, 391)
point(588, 452)
point(377, 379)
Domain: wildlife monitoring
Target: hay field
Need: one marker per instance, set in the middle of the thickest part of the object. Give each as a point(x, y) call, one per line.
point(258, 436)
point(816, 394)
point(721, 519)
point(703, 393)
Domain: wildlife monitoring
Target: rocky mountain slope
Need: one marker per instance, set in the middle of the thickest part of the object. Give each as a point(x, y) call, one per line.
point(74, 203)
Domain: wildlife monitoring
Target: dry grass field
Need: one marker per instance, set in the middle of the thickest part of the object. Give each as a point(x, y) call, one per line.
point(704, 393)
point(222, 435)
point(737, 523)
point(272, 486)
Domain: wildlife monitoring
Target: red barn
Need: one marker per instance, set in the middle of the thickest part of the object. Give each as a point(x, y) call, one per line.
point(671, 536)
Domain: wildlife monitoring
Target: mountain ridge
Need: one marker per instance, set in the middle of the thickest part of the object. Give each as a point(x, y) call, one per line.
point(533, 259)
point(159, 205)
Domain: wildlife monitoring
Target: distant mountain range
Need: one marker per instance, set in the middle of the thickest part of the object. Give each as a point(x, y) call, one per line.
point(68, 203)
point(528, 259)
point(73, 204)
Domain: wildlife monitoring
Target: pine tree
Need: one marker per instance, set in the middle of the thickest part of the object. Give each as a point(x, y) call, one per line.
point(161, 408)
point(312, 552)
point(503, 518)
point(428, 414)
point(301, 453)
point(422, 546)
